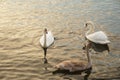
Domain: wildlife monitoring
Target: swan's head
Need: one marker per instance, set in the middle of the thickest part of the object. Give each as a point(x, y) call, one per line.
point(86, 26)
point(89, 23)
point(89, 27)
point(45, 31)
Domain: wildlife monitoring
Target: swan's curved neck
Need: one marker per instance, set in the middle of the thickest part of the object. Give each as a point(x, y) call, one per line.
point(45, 32)
point(91, 27)
point(88, 55)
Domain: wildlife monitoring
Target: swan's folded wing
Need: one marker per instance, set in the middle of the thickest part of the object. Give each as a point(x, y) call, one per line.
point(72, 65)
point(98, 37)
point(49, 39)
point(42, 40)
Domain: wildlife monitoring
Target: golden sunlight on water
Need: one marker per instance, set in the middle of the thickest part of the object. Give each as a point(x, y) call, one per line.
point(22, 23)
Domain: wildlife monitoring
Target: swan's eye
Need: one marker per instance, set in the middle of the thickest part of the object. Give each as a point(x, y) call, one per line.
point(86, 25)
point(45, 31)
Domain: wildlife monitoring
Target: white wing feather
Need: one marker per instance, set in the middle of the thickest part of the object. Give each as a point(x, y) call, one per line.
point(98, 37)
point(49, 39)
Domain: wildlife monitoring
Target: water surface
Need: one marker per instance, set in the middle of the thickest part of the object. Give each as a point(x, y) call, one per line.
point(22, 23)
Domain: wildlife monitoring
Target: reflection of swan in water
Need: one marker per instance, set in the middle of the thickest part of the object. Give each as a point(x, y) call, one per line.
point(97, 38)
point(73, 66)
point(46, 41)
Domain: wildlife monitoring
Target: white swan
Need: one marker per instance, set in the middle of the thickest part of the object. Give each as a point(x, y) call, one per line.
point(73, 65)
point(46, 41)
point(97, 37)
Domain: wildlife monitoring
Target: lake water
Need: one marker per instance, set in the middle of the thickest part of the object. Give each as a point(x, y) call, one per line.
point(22, 23)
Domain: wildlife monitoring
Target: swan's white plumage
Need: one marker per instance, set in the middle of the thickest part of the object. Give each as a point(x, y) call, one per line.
point(49, 39)
point(98, 37)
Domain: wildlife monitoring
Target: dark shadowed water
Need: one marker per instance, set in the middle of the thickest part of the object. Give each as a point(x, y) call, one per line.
point(22, 23)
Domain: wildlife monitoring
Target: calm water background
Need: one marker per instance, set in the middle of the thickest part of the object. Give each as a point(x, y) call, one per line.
point(22, 23)
point(103, 12)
